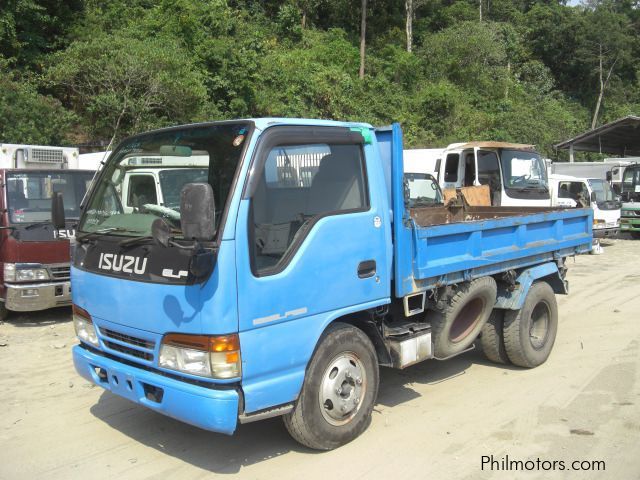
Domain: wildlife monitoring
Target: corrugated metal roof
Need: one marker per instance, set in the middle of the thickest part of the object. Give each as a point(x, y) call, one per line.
point(621, 137)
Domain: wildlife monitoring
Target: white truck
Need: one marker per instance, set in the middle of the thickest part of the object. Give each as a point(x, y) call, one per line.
point(569, 192)
point(610, 169)
point(514, 172)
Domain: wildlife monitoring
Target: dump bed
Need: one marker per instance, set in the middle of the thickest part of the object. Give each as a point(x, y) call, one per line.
point(441, 246)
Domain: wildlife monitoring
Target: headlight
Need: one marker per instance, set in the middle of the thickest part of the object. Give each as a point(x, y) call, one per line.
point(24, 273)
point(85, 330)
point(207, 356)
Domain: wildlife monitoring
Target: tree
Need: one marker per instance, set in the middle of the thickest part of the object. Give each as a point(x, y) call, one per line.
point(29, 117)
point(120, 84)
point(410, 7)
point(363, 31)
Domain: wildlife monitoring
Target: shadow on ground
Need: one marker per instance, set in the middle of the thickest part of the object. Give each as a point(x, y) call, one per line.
point(52, 316)
point(256, 442)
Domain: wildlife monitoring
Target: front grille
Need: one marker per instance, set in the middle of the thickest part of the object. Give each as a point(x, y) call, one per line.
point(138, 342)
point(60, 273)
point(129, 351)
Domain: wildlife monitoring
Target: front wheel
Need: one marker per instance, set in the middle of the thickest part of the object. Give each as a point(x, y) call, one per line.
point(635, 235)
point(339, 390)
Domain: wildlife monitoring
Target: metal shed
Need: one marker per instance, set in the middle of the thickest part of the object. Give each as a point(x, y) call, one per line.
point(620, 138)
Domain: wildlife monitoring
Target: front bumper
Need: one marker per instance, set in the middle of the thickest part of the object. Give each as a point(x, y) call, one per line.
point(630, 224)
point(605, 232)
point(37, 296)
point(208, 408)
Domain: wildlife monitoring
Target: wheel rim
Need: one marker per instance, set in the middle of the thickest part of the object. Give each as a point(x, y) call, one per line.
point(466, 320)
point(344, 383)
point(539, 330)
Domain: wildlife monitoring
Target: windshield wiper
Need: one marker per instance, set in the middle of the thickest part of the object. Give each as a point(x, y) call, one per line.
point(103, 231)
point(130, 242)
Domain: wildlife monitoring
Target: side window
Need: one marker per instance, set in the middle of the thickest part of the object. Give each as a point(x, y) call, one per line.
point(142, 190)
point(298, 185)
point(451, 167)
point(489, 170)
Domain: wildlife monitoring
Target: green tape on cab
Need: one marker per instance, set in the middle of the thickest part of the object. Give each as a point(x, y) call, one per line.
point(366, 134)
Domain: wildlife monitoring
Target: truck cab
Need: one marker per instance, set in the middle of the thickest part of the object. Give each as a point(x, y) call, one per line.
point(630, 193)
point(515, 173)
point(34, 256)
point(571, 192)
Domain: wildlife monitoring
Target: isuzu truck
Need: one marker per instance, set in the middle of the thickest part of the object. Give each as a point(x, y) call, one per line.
point(296, 268)
point(34, 256)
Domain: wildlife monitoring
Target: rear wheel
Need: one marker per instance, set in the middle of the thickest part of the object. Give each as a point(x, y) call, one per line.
point(339, 390)
point(529, 333)
point(458, 324)
point(492, 338)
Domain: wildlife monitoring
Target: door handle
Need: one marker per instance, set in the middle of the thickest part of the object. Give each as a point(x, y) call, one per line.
point(367, 269)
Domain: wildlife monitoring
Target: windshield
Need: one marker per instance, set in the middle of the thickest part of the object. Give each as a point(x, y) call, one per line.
point(523, 170)
point(631, 180)
point(423, 190)
point(126, 200)
point(29, 193)
point(602, 190)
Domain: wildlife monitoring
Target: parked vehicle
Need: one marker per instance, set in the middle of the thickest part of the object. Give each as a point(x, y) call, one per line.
point(35, 255)
point(276, 293)
point(630, 216)
point(570, 192)
point(610, 169)
point(515, 173)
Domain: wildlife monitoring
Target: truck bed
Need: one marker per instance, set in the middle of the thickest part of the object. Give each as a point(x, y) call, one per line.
point(450, 246)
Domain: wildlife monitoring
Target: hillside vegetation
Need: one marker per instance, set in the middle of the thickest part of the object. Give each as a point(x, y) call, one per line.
point(531, 71)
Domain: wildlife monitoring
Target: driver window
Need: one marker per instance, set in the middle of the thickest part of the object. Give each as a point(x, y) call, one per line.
point(298, 185)
point(142, 190)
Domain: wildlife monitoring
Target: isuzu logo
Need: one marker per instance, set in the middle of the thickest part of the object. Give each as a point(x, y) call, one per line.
point(122, 263)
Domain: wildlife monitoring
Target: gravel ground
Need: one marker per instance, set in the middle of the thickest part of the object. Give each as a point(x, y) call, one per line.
point(433, 420)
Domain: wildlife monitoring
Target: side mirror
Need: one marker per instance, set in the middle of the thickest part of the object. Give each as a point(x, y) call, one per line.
point(57, 211)
point(593, 197)
point(197, 212)
point(608, 176)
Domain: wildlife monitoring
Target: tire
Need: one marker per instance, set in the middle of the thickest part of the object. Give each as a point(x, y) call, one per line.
point(492, 338)
point(4, 313)
point(635, 235)
point(458, 324)
point(529, 333)
point(345, 360)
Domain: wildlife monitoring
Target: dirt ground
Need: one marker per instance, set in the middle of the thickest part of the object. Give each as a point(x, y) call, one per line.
point(434, 420)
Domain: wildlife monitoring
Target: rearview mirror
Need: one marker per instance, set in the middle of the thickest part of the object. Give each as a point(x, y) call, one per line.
point(197, 212)
point(57, 211)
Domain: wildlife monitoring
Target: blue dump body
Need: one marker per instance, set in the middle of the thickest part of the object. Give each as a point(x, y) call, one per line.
point(280, 317)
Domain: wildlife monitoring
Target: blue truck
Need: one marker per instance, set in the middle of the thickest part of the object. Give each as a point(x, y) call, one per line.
point(304, 260)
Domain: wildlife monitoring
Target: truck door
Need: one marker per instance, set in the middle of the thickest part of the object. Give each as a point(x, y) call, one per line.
point(310, 241)
point(139, 189)
point(452, 171)
point(488, 169)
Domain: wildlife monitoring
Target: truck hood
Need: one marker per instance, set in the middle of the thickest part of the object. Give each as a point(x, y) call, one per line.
point(149, 307)
point(45, 251)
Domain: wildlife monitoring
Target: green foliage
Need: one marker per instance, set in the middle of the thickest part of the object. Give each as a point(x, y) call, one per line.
point(27, 116)
point(529, 72)
point(120, 85)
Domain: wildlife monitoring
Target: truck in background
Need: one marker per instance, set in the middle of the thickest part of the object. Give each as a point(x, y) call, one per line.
point(34, 256)
point(610, 169)
point(515, 173)
point(630, 193)
point(280, 291)
point(571, 192)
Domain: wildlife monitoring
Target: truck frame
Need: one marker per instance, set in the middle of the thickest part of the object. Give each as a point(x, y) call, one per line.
point(287, 296)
